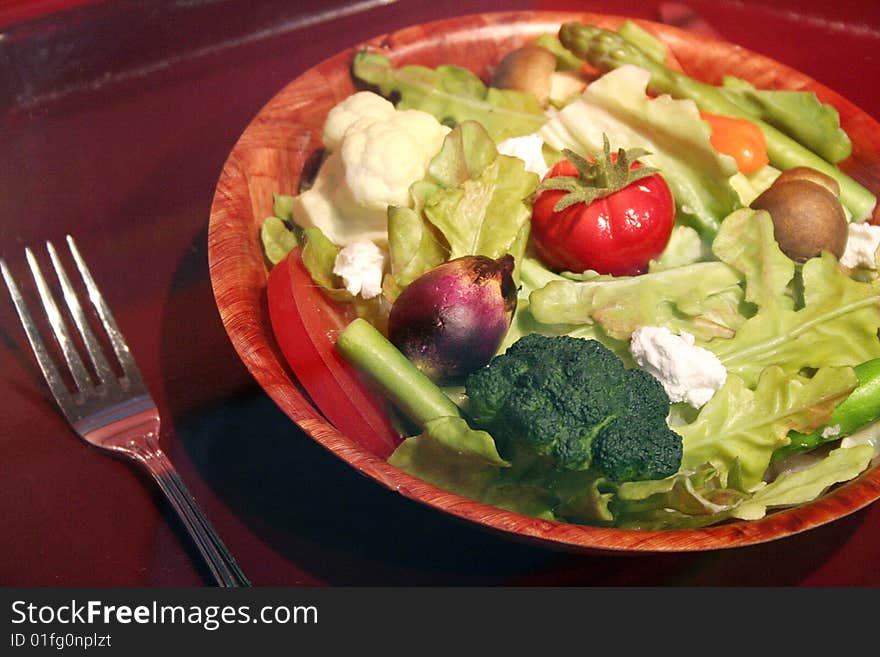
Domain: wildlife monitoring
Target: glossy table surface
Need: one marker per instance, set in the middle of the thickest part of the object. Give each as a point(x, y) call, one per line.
point(115, 123)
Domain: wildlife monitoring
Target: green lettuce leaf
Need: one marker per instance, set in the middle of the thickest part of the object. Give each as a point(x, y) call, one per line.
point(837, 326)
point(691, 298)
point(583, 496)
point(533, 276)
point(688, 499)
point(525, 498)
point(799, 114)
point(414, 247)
point(282, 206)
point(455, 457)
point(750, 186)
point(319, 257)
point(452, 456)
point(802, 486)
point(485, 215)
point(453, 94)
point(472, 201)
point(672, 131)
point(685, 247)
point(746, 243)
point(466, 152)
point(277, 239)
point(738, 429)
point(751, 308)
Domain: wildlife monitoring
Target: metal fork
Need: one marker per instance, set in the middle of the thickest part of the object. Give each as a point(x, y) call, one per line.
point(117, 413)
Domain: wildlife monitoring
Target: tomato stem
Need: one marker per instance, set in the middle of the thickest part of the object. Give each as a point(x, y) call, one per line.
point(598, 178)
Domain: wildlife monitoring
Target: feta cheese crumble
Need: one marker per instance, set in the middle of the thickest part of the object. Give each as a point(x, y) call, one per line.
point(527, 148)
point(361, 265)
point(688, 373)
point(861, 245)
point(831, 431)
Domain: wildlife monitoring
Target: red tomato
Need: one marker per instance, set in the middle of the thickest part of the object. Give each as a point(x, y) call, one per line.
point(305, 323)
point(617, 234)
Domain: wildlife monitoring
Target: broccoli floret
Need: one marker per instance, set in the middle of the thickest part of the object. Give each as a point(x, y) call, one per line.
point(630, 450)
point(575, 401)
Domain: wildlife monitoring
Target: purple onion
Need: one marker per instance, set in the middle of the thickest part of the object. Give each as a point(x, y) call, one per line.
point(451, 320)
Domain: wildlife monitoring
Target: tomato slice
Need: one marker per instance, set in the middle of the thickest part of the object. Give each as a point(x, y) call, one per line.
point(305, 323)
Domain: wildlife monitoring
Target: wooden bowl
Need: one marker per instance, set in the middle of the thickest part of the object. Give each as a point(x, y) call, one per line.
point(280, 143)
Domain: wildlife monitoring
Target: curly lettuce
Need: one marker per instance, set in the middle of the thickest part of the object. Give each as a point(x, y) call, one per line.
point(453, 94)
point(799, 114)
point(472, 201)
point(802, 486)
point(682, 298)
point(738, 430)
point(836, 326)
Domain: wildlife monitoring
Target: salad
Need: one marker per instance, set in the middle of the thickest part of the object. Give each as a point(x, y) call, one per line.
point(594, 289)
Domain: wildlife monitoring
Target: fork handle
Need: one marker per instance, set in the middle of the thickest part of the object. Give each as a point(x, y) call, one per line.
point(218, 558)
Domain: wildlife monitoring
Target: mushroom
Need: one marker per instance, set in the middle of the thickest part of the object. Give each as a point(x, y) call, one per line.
point(808, 218)
point(813, 175)
point(529, 69)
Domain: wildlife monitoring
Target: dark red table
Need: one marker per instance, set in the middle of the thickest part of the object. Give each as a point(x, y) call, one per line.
point(116, 120)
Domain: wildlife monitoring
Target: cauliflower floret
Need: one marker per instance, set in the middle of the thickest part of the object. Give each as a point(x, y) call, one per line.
point(361, 266)
point(688, 373)
point(360, 105)
point(383, 158)
point(329, 205)
point(370, 166)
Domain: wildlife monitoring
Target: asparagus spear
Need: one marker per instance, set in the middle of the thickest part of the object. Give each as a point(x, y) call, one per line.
point(643, 40)
point(607, 50)
point(419, 398)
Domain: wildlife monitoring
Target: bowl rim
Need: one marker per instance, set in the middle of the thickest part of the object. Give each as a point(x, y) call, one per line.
point(231, 269)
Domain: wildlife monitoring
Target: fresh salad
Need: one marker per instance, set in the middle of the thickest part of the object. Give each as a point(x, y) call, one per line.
point(594, 289)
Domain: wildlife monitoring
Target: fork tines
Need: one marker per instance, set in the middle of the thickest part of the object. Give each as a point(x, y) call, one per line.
point(104, 372)
point(116, 413)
